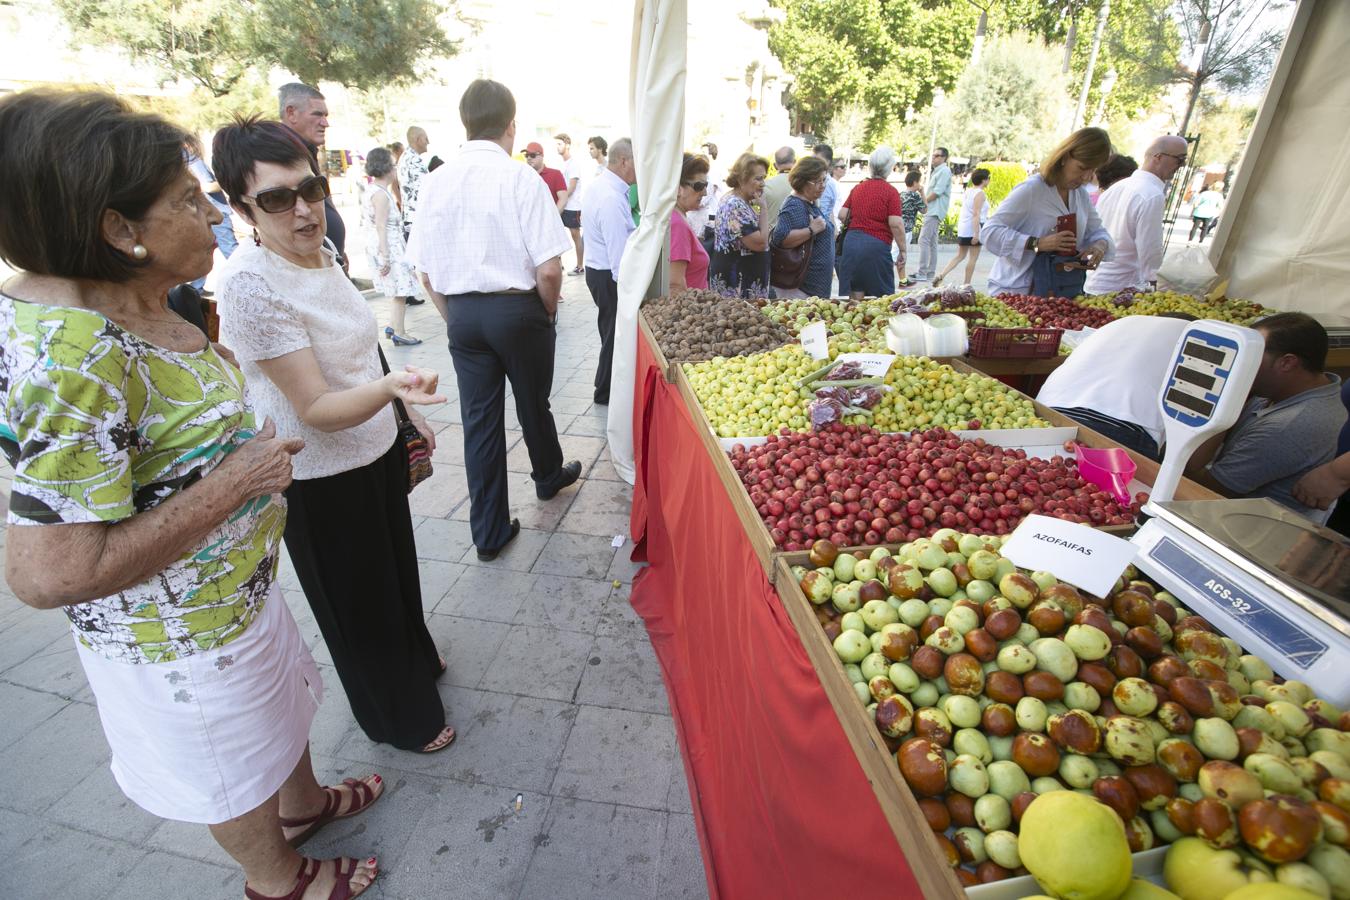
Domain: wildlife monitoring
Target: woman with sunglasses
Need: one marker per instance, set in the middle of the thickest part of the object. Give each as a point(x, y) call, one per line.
point(688, 258)
point(309, 348)
point(146, 501)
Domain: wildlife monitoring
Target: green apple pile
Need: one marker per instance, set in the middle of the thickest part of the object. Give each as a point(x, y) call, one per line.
point(997, 314)
point(759, 394)
point(1225, 309)
point(994, 686)
point(855, 326)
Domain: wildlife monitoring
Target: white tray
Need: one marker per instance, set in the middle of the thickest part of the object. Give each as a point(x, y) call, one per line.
point(1147, 865)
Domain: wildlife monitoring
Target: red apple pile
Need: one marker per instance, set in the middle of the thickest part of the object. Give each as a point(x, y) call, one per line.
point(852, 485)
point(1057, 312)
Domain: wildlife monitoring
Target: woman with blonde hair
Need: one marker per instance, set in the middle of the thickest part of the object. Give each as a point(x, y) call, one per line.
point(1036, 255)
point(740, 258)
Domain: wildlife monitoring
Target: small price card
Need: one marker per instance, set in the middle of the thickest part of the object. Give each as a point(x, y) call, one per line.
point(1082, 556)
point(874, 365)
point(816, 340)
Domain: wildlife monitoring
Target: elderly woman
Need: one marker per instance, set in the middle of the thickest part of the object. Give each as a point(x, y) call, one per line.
point(740, 257)
point(688, 259)
point(1035, 256)
point(392, 276)
point(309, 349)
point(873, 216)
point(802, 220)
point(145, 501)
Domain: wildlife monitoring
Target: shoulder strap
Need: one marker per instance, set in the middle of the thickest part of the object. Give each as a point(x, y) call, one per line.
point(399, 409)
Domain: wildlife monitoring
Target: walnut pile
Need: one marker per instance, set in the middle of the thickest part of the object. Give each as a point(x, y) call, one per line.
point(693, 326)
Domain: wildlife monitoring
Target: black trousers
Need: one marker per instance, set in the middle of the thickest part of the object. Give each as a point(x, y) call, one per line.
point(494, 337)
point(605, 293)
point(350, 537)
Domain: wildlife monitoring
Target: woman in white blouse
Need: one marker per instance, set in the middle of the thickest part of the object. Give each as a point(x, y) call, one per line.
point(308, 346)
point(1034, 257)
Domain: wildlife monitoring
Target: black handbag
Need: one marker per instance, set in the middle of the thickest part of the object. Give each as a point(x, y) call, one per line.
point(416, 446)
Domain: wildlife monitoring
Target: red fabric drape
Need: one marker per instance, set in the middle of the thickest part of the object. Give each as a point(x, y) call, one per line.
point(783, 808)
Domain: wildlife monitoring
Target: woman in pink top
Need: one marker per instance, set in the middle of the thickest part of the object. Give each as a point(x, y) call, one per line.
point(688, 258)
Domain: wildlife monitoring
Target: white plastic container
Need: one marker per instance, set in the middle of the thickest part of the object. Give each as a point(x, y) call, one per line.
point(906, 335)
point(945, 335)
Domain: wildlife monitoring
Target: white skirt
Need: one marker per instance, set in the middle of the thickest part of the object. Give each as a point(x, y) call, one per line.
point(210, 737)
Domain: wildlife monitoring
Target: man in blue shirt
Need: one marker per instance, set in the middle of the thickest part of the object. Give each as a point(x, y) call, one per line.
point(938, 199)
point(606, 223)
point(224, 229)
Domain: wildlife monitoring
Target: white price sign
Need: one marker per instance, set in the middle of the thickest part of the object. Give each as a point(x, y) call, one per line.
point(1082, 556)
point(874, 365)
point(816, 340)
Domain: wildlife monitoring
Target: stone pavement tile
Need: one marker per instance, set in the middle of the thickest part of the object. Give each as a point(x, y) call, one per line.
point(334, 722)
point(436, 579)
point(624, 674)
point(572, 604)
point(571, 406)
point(384, 830)
point(472, 843)
point(598, 411)
point(587, 425)
point(42, 765)
point(190, 840)
point(538, 662)
point(534, 514)
point(164, 876)
point(594, 851)
point(449, 412)
point(620, 619)
point(469, 646)
point(677, 798)
point(35, 630)
point(45, 860)
point(519, 555)
point(577, 555)
point(603, 470)
point(488, 594)
point(96, 804)
point(582, 448)
point(601, 508)
point(574, 389)
point(617, 756)
point(509, 741)
point(623, 568)
point(55, 669)
point(438, 496)
point(562, 423)
point(681, 875)
point(22, 709)
point(441, 539)
point(362, 755)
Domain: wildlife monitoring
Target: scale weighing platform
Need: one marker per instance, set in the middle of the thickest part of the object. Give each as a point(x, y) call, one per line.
point(1263, 575)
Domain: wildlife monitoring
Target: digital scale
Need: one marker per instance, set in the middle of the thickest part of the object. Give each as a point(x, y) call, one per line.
point(1265, 576)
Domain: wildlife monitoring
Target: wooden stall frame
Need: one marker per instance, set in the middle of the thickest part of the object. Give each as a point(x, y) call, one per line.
point(668, 368)
point(898, 804)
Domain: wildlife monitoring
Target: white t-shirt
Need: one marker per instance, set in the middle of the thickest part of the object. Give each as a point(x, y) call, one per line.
point(965, 224)
point(1132, 211)
point(269, 307)
point(1119, 372)
point(580, 169)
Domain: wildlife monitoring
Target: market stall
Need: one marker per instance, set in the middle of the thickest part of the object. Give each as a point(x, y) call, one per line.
point(787, 769)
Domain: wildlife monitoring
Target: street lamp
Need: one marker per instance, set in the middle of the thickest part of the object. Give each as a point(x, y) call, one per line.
point(939, 96)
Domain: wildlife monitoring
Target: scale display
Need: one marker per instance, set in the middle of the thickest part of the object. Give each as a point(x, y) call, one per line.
point(1202, 368)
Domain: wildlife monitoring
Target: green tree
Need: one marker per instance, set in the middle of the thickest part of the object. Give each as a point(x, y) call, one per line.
point(847, 128)
point(1007, 105)
point(1223, 127)
point(1236, 41)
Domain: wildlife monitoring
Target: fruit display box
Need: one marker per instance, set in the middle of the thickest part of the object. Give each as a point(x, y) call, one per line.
point(668, 368)
point(1148, 865)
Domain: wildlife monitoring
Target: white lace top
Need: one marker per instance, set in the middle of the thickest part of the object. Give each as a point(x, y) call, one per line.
point(270, 307)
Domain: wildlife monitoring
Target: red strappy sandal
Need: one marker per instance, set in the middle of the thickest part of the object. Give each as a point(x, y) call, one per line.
point(331, 804)
point(309, 870)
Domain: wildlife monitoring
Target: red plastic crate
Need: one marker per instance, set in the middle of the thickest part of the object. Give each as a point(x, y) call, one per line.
point(1015, 343)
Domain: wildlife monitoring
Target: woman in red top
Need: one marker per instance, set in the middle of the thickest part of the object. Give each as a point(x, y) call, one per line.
point(872, 215)
point(688, 259)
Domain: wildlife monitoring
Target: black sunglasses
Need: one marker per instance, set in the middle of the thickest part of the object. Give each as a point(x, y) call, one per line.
point(696, 186)
point(313, 189)
point(532, 155)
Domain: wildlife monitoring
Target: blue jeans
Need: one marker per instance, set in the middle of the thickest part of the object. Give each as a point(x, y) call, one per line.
point(225, 240)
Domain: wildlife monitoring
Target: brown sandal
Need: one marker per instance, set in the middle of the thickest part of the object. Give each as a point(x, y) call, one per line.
point(309, 870)
point(331, 804)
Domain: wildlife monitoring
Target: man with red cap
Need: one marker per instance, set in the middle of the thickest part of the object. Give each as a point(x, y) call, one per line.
point(534, 155)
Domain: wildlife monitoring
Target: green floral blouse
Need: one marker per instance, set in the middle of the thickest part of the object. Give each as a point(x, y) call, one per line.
point(99, 426)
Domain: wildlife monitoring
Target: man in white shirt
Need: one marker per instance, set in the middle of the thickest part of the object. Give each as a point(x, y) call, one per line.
point(574, 173)
point(606, 222)
point(412, 168)
point(777, 189)
point(938, 198)
point(488, 244)
point(1111, 381)
point(1132, 211)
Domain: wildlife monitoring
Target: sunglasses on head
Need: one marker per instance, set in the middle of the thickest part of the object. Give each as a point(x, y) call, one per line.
point(313, 189)
point(696, 185)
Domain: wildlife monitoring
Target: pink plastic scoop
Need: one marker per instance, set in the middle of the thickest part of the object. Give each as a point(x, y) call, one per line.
point(1109, 469)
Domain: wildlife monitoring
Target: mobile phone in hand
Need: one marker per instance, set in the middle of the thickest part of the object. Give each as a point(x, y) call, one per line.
point(1067, 222)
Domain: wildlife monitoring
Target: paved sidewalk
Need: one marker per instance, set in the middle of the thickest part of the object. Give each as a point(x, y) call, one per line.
point(553, 688)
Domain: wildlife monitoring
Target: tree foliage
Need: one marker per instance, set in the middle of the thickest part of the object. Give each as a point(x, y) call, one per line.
point(1008, 105)
point(218, 45)
point(1223, 127)
point(847, 128)
point(1003, 177)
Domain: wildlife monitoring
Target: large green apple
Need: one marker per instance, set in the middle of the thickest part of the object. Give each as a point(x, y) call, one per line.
point(1196, 871)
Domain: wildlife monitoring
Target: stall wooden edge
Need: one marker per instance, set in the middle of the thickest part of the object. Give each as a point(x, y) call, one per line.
point(667, 368)
point(898, 804)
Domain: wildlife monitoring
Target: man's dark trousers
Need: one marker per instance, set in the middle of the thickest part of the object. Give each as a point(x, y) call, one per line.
point(494, 337)
point(605, 293)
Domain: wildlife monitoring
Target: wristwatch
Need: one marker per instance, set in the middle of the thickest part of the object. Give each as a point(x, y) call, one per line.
point(1032, 242)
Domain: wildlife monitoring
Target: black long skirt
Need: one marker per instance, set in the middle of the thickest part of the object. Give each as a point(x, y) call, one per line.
point(350, 537)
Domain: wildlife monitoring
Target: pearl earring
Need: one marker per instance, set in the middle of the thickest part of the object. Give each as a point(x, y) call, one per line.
point(139, 251)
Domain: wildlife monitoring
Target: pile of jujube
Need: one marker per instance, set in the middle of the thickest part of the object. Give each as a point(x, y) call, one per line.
point(855, 486)
point(1057, 312)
